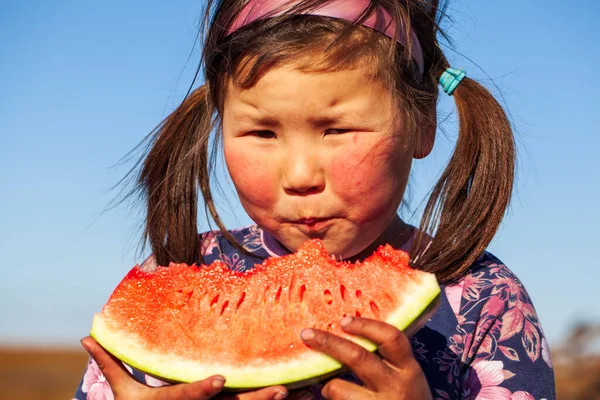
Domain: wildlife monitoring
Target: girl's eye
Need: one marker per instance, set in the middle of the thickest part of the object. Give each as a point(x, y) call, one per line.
point(337, 131)
point(263, 134)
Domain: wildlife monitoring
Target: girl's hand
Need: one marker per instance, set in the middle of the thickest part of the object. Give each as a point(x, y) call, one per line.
point(125, 387)
point(393, 374)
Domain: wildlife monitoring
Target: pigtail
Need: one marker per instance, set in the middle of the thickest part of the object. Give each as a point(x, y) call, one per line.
point(176, 166)
point(468, 202)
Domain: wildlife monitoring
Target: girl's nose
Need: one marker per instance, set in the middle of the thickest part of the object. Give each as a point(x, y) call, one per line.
point(302, 175)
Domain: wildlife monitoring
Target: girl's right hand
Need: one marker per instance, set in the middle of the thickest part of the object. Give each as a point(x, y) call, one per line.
point(125, 387)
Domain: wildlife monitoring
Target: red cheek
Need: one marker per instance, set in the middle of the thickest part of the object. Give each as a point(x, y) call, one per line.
point(252, 177)
point(349, 175)
point(366, 176)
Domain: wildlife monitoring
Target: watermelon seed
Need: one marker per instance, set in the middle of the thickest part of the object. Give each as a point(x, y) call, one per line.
point(374, 308)
point(358, 294)
point(278, 295)
point(214, 300)
point(328, 298)
point(357, 313)
point(329, 327)
point(239, 303)
point(343, 291)
point(188, 294)
point(224, 306)
point(302, 290)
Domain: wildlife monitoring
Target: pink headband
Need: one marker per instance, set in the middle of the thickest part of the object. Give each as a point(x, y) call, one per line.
point(349, 10)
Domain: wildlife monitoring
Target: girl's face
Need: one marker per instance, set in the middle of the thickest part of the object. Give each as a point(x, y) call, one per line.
point(319, 155)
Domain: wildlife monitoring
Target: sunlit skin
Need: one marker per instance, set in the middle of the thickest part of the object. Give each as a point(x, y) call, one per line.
point(320, 155)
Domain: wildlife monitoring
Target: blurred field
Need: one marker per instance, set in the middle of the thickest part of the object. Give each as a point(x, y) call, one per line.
point(53, 374)
point(40, 374)
point(577, 364)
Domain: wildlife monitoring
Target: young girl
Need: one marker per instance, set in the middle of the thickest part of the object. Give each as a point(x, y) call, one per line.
point(320, 107)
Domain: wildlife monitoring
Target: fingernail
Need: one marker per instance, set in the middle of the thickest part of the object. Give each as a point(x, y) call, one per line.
point(85, 346)
point(280, 395)
point(345, 321)
point(218, 382)
point(307, 334)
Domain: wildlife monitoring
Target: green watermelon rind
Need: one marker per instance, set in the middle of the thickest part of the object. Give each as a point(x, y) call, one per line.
point(419, 304)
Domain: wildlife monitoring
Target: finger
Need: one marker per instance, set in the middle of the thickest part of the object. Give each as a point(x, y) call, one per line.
point(341, 389)
point(113, 370)
point(200, 390)
point(392, 344)
point(268, 393)
point(368, 367)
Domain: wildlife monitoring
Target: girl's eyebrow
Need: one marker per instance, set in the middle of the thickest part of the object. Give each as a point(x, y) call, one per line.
point(262, 120)
point(327, 120)
point(318, 121)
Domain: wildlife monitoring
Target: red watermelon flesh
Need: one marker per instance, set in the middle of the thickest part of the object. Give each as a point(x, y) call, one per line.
point(185, 323)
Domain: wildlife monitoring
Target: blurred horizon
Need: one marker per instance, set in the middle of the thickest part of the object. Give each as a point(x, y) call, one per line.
point(83, 83)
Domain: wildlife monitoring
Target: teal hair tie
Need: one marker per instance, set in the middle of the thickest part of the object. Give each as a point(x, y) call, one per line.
point(451, 78)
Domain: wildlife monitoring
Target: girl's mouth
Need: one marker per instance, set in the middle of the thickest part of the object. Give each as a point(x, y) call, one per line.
point(313, 227)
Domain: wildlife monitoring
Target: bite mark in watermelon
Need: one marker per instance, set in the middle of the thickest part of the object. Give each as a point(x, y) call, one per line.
point(185, 323)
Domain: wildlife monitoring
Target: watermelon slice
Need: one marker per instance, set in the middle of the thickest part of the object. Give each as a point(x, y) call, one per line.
point(184, 323)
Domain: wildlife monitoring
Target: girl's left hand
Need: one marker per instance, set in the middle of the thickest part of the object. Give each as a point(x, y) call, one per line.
point(393, 374)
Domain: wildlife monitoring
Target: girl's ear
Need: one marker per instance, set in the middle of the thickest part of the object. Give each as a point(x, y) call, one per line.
point(426, 134)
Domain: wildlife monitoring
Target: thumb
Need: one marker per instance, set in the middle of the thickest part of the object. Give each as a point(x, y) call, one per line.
point(199, 390)
point(113, 370)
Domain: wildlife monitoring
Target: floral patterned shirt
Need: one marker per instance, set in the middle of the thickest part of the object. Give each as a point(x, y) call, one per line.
point(484, 342)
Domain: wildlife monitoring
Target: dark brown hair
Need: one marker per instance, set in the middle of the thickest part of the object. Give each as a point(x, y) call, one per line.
point(466, 205)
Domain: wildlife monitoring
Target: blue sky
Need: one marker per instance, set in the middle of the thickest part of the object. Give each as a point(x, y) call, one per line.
point(81, 83)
